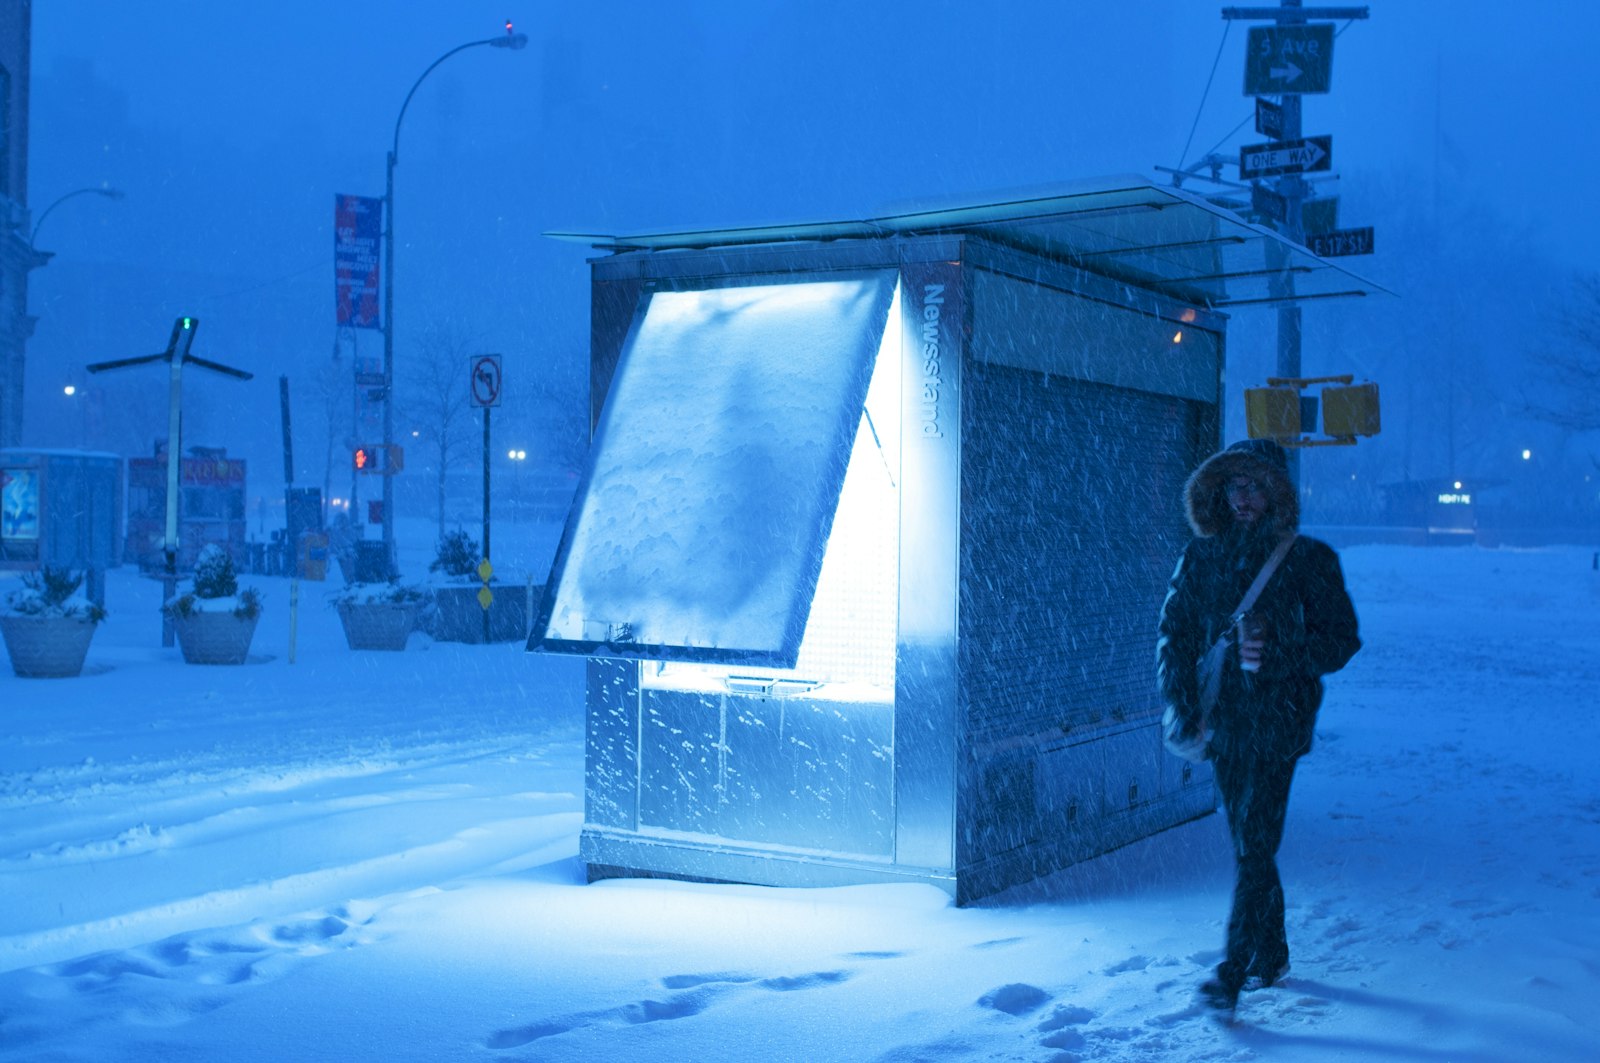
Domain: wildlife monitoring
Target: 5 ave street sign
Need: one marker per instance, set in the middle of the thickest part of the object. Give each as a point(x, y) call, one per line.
point(1341, 242)
point(1288, 60)
point(1305, 155)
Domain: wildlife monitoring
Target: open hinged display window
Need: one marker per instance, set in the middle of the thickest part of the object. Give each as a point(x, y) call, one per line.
point(737, 524)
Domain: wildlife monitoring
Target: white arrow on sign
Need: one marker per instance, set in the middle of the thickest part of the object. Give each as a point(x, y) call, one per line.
point(1285, 73)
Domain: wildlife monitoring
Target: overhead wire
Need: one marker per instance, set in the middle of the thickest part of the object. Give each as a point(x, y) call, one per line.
point(1227, 24)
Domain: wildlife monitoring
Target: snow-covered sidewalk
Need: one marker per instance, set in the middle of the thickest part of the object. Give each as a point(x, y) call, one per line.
point(370, 856)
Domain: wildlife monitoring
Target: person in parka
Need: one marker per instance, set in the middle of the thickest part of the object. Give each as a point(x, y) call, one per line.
point(1241, 504)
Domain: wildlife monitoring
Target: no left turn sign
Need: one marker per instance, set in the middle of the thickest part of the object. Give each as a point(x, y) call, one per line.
point(484, 385)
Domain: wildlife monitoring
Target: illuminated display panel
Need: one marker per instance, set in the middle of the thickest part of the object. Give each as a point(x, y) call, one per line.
point(848, 652)
point(716, 471)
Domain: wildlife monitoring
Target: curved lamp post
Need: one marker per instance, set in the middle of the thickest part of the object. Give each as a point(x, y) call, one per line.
point(109, 193)
point(11, 409)
point(515, 42)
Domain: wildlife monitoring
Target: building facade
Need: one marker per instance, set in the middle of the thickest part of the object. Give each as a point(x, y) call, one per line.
point(17, 256)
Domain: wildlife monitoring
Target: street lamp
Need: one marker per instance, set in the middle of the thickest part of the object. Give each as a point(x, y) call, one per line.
point(109, 193)
point(517, 458)
point(515, 42)
point(72, 393)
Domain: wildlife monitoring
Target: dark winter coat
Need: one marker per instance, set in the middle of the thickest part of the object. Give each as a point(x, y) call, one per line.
point(1309, 624)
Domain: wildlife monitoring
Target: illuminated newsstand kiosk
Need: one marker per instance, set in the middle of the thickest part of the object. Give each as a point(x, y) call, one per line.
point(876, 526)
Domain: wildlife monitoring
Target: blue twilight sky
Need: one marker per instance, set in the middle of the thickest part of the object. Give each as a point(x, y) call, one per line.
point(231, 127)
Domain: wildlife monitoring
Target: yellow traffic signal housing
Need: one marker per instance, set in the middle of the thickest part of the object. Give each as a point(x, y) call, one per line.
point(1278, 411)
point(1272, 413)
point(1350, 411)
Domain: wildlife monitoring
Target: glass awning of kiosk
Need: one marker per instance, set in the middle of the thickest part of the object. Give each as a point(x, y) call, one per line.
point(1128, 228)
point(718, 475)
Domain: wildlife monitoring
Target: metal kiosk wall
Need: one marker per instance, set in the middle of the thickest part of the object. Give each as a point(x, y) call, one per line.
point(61, 509)
point(868, 556)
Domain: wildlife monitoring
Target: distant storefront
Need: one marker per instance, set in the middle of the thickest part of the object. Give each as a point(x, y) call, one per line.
point(211, 507)
point(1446, 511)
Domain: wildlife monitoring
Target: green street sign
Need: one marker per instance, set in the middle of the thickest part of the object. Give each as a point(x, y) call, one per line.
point(1319, 215)
point(1288, 60)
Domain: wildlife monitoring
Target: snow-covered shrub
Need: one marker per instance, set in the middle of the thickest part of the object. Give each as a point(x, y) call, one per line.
point(52, 592)
point(214, 576)
point(359, 593)
point(457, 555)
point(215, 588)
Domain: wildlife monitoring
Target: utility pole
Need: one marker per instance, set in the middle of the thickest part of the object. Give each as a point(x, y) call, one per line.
point(1288, 58)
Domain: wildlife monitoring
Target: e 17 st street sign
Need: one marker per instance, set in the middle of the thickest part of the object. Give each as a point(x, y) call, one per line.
point(1288, 60)
point(1341, 242)
point(1305, 155)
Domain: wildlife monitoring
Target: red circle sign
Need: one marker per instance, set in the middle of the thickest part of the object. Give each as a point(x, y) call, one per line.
point(485, 380)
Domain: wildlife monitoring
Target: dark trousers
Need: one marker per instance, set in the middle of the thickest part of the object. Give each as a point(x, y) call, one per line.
point(1255, 797)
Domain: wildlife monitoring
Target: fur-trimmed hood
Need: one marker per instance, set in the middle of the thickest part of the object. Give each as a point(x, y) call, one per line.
point(1205, 495)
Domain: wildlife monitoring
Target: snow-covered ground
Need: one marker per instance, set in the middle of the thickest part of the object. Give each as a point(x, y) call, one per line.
point(371, 856)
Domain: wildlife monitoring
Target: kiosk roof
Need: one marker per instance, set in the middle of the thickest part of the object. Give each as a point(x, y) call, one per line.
point(1129, 228)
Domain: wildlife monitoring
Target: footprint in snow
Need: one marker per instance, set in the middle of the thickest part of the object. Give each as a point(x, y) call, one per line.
point(689, 981)
point(1018, 998)
point(698, 992)
point(1132, 963)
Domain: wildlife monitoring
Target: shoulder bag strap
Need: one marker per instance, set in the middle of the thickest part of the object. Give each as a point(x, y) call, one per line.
point(1265, 574)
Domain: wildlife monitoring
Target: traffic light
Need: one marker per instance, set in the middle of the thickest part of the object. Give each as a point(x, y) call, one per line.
point(1278, 411)
point(377, 459)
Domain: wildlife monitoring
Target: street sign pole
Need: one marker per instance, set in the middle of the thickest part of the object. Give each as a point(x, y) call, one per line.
point(486, 555)
point(1287, 58)
point(484, 383)
point(1292, 188)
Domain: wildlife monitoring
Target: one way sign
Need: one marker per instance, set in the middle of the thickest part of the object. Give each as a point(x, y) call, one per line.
point(1290, 156)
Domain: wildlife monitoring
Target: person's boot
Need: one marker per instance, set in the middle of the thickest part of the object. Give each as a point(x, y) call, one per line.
point(1219, 995)
point(1265, 976)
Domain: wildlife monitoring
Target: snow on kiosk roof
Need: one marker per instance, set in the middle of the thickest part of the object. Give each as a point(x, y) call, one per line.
point(876, 524)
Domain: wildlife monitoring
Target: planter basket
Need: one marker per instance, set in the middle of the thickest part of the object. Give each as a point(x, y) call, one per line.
point(215, 638)
point(47, 647)
point(377, 625)
point(457, 616)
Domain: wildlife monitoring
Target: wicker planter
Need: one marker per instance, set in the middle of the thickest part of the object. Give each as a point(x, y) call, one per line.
point(47, 647)
point(215, 638)
point(457, 616)
point(377, 625)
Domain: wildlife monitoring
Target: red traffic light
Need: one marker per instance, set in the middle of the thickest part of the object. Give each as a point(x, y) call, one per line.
point(365, 459)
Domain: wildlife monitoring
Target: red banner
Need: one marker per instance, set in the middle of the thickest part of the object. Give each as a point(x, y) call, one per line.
point(357, 228)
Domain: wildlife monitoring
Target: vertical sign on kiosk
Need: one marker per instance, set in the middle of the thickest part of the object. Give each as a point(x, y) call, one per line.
point(484, 387)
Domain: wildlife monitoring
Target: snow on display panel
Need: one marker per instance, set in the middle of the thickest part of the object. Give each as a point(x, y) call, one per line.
point(717, 471)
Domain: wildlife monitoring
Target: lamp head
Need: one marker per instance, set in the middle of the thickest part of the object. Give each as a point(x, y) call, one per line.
point(515, 41)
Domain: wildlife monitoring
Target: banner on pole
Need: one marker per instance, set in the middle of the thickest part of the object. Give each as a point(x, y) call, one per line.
point(357, 229)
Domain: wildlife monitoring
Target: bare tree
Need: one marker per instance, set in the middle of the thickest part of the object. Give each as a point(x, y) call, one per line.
point(1567, 368)
point(433, 401)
